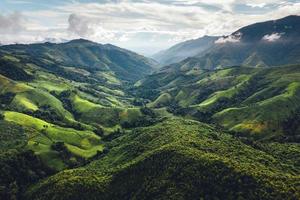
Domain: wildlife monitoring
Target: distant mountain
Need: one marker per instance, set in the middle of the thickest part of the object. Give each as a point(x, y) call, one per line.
point(184, 50)
point(55, 40)
point(126, 65)
point(270, 43)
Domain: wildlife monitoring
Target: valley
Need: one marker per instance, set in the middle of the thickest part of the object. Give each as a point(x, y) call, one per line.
point(82, 120)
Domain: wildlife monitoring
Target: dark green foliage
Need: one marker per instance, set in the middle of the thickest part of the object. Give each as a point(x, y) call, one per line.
point(147, 119)
point(113, 135)
point(19, 169)
point(291, 126)
point(179, 159)
point(47, 113)
point(13, 71)
point(12, 136)
point(67, 156)
point(99, 131)
point(6, 99)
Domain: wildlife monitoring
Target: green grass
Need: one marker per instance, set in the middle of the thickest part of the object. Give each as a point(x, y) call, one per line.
point(34, 98)
point(41, 135)
point(163, 100)
point(264, 116)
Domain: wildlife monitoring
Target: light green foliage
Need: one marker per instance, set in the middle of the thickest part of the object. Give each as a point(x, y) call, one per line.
point(42, 135)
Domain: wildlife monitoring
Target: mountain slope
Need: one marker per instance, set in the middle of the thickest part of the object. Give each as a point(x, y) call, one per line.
point(66, 105)
point(177, 159)
point(87, 55)
point(184, 50)
point(259, 102)
point(270, 43)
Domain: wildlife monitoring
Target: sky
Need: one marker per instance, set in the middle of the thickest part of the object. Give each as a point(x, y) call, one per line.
point(144, 26)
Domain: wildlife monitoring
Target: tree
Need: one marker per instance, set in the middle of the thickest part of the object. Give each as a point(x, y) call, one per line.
point(99, 131)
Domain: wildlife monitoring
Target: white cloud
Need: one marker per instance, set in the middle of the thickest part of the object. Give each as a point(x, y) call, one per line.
point(272, 37)
point(229, 39)
point(12, 23)
point(79, 25)
point(256, 5)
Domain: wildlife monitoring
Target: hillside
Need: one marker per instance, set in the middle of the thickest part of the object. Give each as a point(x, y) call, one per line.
point(184, 50)
point(55, 110)
point(59, 105)
point(178, 159)
point(265, 44)
point(258, 102)
point(89, 56)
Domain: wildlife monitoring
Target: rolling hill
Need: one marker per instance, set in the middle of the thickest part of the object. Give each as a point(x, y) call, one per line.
point(258, 102)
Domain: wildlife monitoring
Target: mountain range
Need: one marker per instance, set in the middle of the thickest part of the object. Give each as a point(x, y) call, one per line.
point(220, 118)
point(184, 50)
point(264, 44)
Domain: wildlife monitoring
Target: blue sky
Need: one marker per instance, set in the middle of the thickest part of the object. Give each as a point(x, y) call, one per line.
point(145, 26)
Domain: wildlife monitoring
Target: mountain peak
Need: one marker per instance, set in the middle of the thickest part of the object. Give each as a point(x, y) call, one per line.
point(81, 40)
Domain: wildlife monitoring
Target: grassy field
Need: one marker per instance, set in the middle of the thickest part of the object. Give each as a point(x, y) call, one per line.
point(41, 135)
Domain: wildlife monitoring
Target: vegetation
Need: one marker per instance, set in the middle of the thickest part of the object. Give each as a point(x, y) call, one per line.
point(257, 101)
point(178, 157)
point(75, 124)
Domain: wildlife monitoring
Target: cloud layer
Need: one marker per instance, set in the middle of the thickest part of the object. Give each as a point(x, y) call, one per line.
point(144, 26)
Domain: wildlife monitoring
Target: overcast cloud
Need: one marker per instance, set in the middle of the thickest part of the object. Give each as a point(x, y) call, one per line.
point(144, 26)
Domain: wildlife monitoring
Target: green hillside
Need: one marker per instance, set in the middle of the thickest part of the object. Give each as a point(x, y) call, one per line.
point(88, 56)
point(177, 159)
point(258, 102)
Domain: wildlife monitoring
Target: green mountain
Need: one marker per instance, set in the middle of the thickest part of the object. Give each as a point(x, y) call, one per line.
point(257, 102)
point(89, 56)
point(271, 43)
point(56, 96)
point(184, 50)
point(57, 101)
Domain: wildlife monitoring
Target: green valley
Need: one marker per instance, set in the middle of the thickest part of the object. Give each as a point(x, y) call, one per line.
point(82, 120)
